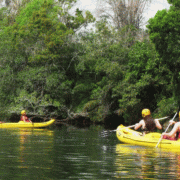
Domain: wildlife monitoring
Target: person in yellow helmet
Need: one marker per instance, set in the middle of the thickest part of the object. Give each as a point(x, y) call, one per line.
point(174, 134)
point(24, 117)
point(148, 124)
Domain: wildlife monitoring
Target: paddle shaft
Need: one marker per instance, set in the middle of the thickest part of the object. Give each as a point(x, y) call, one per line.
point(162, 118)
point(159, 119)
point(165, 131)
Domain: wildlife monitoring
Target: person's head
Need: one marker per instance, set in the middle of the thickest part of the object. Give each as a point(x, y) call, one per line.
point(146, 112)
point(23, 112)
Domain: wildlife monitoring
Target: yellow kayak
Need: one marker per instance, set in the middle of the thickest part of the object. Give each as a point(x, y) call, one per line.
point(130, 136)
point(22, 124)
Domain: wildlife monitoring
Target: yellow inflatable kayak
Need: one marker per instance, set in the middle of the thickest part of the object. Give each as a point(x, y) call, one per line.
point(22, 124)
point(130, 136)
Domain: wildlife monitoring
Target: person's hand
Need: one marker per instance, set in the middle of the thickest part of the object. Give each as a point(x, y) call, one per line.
point(163, 134)
point(172, 122)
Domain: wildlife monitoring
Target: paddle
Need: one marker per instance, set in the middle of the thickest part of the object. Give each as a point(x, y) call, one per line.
point(105, 133)
point(165, 130)
point(163, 118)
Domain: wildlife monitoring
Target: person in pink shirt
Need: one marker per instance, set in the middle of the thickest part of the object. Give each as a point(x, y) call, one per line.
point(24, 117)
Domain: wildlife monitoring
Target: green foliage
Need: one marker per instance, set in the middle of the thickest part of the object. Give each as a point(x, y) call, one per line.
point(78, 20)
point(3, 17)
point(145, 80)
point(164, 31)
point(73, 22)
point(127, 74)
point(42, 40)
point(176, 3)
point(26, 12)
point(95, 110)
point(166, 106)
point(102, 72)
point(33, 102)
point(91, 105)
point(81, 94)
point(104, 57)
point(38, 58)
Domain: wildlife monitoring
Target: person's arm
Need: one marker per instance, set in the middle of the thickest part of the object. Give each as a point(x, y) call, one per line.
point(23, 118)
point(138, 125)
point(173, 131)
point(158, 125)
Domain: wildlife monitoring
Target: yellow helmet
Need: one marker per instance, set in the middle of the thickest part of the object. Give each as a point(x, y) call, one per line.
point(145, 112)
point(23, 111)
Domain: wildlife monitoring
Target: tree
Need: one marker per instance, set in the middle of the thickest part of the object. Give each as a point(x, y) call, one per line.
point(41, 51)
point(145, 82)
point(64, 11)
point(123, 12)
point(164, 30)
point(119, 77)
point(77, 21)
point(102, 64)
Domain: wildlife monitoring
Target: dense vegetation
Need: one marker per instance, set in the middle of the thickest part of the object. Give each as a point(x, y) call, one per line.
point(47, 60)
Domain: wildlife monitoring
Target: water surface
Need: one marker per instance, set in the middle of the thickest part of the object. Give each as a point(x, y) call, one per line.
point(69, 153)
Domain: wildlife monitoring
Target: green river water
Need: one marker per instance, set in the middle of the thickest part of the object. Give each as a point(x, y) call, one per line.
point(68, 153)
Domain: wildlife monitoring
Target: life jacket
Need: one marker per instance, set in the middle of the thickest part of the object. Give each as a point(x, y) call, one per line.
point(26, 118)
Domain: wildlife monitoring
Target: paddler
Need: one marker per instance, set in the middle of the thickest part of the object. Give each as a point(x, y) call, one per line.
point(24, 117)
point(174, 134)
point(148, 124)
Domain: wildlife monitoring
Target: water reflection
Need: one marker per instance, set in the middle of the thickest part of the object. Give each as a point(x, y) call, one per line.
point(28, 152)
point(25, 153)
point(146, 163)
point(80, 154)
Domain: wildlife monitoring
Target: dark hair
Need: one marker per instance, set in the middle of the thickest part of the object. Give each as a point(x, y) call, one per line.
point(149, 122)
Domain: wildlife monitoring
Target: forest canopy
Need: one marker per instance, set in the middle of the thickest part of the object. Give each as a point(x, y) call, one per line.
point(49, 59)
